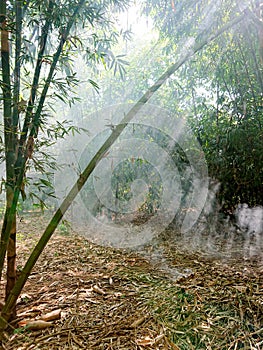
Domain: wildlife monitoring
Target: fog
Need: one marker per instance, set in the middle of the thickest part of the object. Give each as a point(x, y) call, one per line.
point(144, 149)
point(117, 206)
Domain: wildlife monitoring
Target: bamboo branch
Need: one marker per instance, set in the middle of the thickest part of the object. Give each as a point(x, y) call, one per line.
point(18, 44)
point(64, 36)
point(42, 48)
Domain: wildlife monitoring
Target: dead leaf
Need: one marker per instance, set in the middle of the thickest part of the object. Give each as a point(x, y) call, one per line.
point(98, 290)
point(28, 313)
point(145, 341)
point(158, 338)
point(149, 341)
point(35, 325)
point(173, 346)
point(30, 147)
point(92, 301)
point(23, 298)
point(51, 316)
point(43, 289)
point(241, 289)
point(138, 322)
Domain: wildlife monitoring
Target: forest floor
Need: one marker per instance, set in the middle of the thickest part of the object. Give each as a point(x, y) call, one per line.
point(106, 298)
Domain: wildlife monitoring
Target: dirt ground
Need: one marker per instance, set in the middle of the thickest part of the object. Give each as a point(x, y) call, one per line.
point(107, 298)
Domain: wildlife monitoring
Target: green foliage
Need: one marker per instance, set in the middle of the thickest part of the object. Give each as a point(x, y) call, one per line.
point(124, 176)
point(64, 227)
point(92, 35)
point(220, 90)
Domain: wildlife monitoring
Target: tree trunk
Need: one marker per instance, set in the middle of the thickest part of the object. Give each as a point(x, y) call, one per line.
point(10, 145)
point(11, 266)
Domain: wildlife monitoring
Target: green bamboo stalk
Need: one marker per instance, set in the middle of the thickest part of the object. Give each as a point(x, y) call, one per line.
point(9, 218)
point(5, 314)
point(8, 131)
point(11, 248)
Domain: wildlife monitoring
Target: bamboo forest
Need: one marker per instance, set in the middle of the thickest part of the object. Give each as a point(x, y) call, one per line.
point(131, 174)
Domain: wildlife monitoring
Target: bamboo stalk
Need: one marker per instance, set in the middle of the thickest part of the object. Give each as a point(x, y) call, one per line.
point(8, 131)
